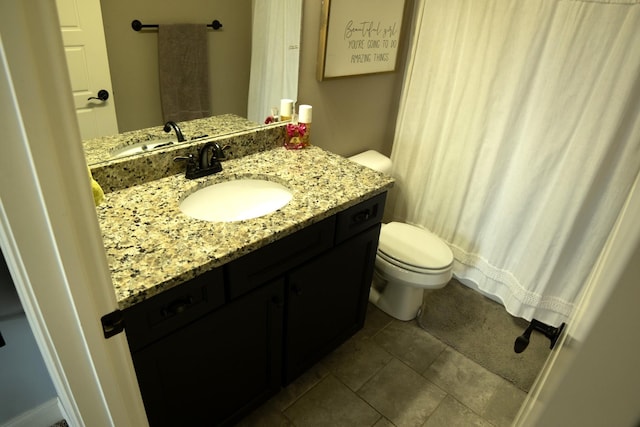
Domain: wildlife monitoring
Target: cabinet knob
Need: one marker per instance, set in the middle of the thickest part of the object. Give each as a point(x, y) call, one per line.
point(277, 301)
point(297, 289)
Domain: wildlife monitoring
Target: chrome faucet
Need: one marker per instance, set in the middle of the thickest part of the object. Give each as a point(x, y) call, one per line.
point(173, 125)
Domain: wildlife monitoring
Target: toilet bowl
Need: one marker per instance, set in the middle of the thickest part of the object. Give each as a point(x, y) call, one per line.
point(408, 261)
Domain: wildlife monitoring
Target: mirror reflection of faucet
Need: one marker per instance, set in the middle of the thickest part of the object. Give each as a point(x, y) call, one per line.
point(173, 125)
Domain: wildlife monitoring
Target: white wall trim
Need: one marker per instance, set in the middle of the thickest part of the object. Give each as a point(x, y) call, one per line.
point(48, 228)
point(593, 306)
point(43, 415)
point(10, 247)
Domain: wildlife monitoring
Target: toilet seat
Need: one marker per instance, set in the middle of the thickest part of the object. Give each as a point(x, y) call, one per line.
point(414, 249)
point(409, 267)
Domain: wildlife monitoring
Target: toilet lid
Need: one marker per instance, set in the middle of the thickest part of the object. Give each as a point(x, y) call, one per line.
point(414, 246)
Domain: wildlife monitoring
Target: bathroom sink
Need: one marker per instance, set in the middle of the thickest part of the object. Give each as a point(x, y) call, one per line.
point(236, 200)
point(140, 147)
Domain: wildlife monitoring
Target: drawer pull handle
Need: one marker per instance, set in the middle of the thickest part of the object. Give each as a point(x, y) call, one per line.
point(178, 306)
point(297, 290)
point(361, 216)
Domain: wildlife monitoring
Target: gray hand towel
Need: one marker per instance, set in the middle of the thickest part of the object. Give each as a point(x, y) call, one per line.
point(184, 71)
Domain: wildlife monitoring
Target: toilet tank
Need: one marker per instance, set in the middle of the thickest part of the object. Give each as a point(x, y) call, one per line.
point(374, 160)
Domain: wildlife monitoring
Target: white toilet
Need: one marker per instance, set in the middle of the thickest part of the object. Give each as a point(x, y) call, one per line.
point(409, 259)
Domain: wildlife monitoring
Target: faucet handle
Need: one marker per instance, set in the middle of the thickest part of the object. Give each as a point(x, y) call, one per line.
point(189, 159)
point(218, 153)
point(191, 163)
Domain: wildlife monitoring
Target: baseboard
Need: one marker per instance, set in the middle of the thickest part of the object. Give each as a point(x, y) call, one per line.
point(44, 415)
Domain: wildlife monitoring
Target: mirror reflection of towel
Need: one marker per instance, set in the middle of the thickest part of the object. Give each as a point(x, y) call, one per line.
point(184, 71)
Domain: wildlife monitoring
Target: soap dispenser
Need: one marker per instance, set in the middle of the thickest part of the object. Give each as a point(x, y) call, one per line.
point(297, 131)
point(304, 119)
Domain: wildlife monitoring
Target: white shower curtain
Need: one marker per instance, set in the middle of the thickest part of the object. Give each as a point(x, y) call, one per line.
point(518, 139)
point(275, 55)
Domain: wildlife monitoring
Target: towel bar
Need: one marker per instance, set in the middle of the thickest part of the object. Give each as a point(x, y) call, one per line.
point(137, 25)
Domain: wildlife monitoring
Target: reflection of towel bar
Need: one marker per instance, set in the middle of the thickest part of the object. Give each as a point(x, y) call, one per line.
point(137, 25)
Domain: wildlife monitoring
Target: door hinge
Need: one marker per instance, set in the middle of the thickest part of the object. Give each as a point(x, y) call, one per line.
point(112, 323)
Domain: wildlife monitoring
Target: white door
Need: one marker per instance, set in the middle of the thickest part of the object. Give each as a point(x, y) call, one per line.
point(86, 52)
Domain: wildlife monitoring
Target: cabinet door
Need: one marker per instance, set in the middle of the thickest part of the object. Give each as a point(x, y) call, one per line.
point(216, 368)
point(327, 299)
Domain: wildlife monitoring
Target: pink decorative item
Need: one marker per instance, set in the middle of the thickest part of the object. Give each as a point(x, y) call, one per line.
point(294, 138)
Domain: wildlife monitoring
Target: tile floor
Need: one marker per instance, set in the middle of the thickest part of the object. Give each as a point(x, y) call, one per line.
point(392, 373)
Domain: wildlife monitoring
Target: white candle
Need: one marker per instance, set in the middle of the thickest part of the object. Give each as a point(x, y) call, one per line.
point(304, 113)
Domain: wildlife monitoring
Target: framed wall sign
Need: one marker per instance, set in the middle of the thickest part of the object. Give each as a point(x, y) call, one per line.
point(359, 37)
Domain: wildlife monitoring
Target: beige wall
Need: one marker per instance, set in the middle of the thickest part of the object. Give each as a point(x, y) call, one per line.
point(133, 56)
point(350, 114)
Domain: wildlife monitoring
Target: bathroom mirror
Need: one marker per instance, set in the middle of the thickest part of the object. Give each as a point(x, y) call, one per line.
point(133, 56)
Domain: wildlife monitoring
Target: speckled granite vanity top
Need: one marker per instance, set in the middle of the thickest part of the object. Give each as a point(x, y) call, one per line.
point(98, 150)
point(152, 246)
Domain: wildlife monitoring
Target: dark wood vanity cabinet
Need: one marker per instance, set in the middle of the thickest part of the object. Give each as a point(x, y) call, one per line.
point(218, 366)
point(327, 301)
point(210, 350)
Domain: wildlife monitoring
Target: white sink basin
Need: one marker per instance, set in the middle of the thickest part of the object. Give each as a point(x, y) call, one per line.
point(140, 147)
point(236, 200)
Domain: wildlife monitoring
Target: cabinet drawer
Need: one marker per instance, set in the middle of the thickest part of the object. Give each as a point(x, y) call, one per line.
point(359, 217)
point(264, 264)
point(174, 308)
point(220, 366)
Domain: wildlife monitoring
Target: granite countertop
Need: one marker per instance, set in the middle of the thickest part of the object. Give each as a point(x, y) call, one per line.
point(152, 246)
point(98, 150)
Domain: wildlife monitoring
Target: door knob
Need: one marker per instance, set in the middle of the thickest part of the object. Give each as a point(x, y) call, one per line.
point(103, 95)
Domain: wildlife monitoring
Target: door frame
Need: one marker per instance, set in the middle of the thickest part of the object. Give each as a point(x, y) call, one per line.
point(588, 375)
point(49, 232)
point(51, 239)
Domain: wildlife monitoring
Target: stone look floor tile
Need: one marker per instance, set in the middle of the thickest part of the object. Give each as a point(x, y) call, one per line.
point(265, 416)
point(383, 362)
point(402, 395)
point(468, 382)
point(298, 387)
point(504, 404)
point(356, 361)
point(452, 413)
point(330, 403)
point(409, 343)
point(383, 422)
point(375, 321)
